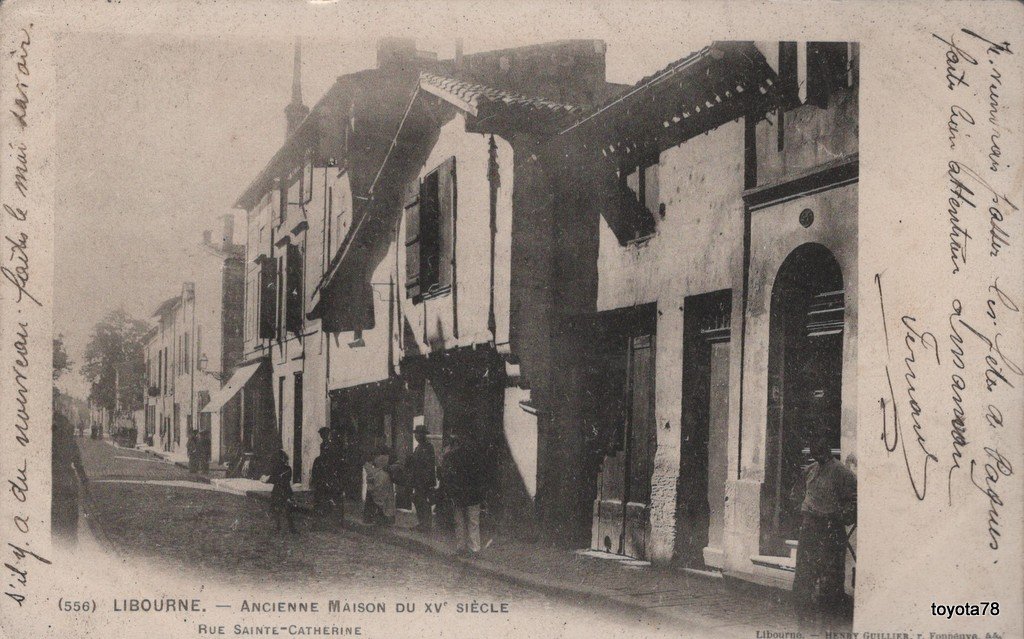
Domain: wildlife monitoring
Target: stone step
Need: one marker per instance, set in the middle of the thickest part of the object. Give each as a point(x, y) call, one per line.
point(787, 564)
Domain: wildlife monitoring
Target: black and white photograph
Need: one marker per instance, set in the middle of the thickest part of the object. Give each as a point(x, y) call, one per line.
point(493, 309)
point(375, 330)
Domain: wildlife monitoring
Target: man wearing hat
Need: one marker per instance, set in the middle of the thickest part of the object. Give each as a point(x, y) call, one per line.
point(422, 473)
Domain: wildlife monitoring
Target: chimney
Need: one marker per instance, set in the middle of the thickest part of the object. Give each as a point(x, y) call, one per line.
point(206, 237)
point(296, 111)
point(395, 52)
point(458, 54)
point(228, 231)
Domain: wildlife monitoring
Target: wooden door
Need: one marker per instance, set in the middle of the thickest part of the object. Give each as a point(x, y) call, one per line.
point(718, 444)
point(625, 483)
point(703, 463)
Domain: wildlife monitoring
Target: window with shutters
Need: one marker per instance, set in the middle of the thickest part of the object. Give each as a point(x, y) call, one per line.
point(640, 205)
point(293, 297)
point(268, 298)
point(430, 215)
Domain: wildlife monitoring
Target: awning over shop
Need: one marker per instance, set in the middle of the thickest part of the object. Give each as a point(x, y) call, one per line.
point(238, 381)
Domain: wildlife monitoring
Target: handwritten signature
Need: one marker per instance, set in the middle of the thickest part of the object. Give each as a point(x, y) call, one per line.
point(892, 426)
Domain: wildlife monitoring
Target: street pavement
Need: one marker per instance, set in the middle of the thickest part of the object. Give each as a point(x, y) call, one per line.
point(145, 508)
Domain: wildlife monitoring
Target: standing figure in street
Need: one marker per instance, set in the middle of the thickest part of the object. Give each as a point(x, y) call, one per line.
point(379, 508)
point(321, 479)
point(422, 472)
point(203, 451)
point(192, 449)
point(67, 471)
point(829, 504)
point(281, 494)
point(336, 467)
point(462, 485)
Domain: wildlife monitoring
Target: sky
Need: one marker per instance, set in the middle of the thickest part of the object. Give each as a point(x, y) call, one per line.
point(159, 134)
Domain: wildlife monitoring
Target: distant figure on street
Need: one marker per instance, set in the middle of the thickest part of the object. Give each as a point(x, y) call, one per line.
point(422, 473)
point(462, 484)
point(379, 508)
point(192, 449)
point(67, 470)
point(203, 451)
point(281, 494)
point(829, 504)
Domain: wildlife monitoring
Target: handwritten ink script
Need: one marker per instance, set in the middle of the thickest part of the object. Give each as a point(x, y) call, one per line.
point(15, 266)
point(952, 382)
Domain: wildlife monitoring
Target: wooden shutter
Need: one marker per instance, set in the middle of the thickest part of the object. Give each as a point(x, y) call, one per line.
point(447, 198)
point(293, 308)
point(412, 240)
point(652, 197)
point(268, 298)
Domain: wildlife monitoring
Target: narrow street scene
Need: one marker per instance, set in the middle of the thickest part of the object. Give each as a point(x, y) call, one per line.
point(538, 324)
point(141, 506)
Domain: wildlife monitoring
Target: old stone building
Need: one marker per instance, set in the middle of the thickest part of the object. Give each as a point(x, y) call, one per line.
point(301, 211)
point(194, 346)
point(479, 305)
point(369, 366)
point(716, 313)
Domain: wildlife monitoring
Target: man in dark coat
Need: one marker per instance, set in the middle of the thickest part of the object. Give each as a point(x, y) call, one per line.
point(829, 504)
point(281, 493)
point(192, 449)
point(422, 473)
point(325, 478)
point(462, 484)
point(67, 470)
point(203, 451)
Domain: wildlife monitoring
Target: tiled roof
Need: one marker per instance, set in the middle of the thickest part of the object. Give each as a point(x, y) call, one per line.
point(715, 77)
point(477, 98)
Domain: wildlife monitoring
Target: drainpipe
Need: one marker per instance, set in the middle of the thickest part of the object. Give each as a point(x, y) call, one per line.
point(494, 178)
point(192, 367)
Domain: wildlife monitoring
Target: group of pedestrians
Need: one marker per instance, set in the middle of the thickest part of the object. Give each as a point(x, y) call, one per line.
point(454, 488)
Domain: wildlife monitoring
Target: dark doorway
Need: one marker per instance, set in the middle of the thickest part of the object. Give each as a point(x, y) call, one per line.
point(297, 432)
point(358, 419)
point(703, 462)
point(805, 361)
point(624, 482)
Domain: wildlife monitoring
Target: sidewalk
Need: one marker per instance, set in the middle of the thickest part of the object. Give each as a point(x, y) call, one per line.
point(216, 470)
point(719, 606)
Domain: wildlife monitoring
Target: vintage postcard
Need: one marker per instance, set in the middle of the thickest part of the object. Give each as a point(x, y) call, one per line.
point(448, 319)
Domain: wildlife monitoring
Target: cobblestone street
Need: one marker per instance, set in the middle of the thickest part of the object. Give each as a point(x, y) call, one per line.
point(185, 522)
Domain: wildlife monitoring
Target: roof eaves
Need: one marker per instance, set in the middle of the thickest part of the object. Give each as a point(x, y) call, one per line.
point(643, 85)
point(489, 103)
point(428, 85)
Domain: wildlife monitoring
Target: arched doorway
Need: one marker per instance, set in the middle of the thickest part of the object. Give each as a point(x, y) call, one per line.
point(805, 362)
